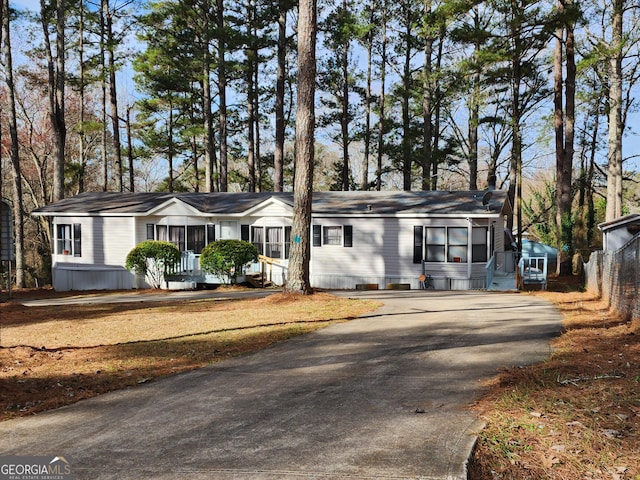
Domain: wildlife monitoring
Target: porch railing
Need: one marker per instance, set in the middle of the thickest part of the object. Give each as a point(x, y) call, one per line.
point(501, 264)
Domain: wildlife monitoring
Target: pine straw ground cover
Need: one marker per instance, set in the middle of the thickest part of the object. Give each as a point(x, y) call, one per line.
point(54, 356)
point(575, 416)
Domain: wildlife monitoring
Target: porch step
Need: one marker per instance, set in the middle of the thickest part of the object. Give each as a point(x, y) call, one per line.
point(255, 280)
point(503, 283)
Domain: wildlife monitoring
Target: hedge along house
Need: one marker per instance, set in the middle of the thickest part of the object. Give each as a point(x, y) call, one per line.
point(357, 237)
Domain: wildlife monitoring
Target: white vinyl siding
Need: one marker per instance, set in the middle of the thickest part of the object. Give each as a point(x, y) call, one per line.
point(372, 240)
point(102, 240)
point(117, 235)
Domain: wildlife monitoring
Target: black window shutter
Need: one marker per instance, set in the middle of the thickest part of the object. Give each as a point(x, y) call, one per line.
point(317, 235)
point(348, 235)
point(77, 240)
point(211, 233)
point(417, 244)
point(244, 232)
point(287, 242)
point(151, 231)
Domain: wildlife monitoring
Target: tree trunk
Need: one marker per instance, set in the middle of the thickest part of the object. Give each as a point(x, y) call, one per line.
point(367, 100)
point(14, 152)
point(113, 96)
point(383, 79)
point(209, 141)
point(614, 173)
point(344, 114)
point(130, 151)
point(298, 281)
point(170, 149)
point(474, 112)
point(436, 133)
point(427, 96)
point(81, 132)
point(222, 96)
point(515, 167)
point(56, 74)
point(558, 123)
point(251, 163)
point(474, 121)
point(566, 198)
point(406, 127)
point(103, 88)
point(256, 119)
point(278, 156)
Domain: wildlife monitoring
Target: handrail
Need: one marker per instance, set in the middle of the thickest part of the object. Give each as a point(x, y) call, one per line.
point(268, 260)
point(491, 269)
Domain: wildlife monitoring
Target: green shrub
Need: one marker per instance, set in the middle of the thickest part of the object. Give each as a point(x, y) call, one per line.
point(228, 258)
point(153, 259)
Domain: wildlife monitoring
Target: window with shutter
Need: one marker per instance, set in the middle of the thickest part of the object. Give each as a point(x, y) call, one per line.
point(317, 235)
point(211, 233)
point(77, 240)
point(348, 236)
point(417, 244)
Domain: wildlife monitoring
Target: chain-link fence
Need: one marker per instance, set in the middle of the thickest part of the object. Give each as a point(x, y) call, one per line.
point(615, 276)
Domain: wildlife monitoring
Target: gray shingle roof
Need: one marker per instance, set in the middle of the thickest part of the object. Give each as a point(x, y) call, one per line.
point(341, 203)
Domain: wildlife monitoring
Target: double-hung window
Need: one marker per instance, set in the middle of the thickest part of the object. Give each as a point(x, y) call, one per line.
point(173, 234)
point(334, 235)
point(451, 244)
point(446, 244)
point(69, 239)
point(457, 241)
point(274, 242)
point(195, 238)
point(479, 251)
point(436, 244)
point(257, 238)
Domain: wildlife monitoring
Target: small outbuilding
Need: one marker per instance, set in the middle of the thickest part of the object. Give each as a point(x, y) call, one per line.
point(617, 233)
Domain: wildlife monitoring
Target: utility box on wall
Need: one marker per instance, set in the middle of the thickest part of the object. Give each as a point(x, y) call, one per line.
point(7, 253)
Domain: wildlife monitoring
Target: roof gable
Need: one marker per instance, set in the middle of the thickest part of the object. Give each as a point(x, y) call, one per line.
point(174, 206)
point(272, 207)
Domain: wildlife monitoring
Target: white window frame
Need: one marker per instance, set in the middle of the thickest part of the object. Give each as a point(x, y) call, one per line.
point(448, 255)
point(265, 247)
point(68, 242)
point(337, 241)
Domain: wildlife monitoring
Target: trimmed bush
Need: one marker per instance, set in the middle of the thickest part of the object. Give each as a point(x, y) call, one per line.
point(228, 258)
point(153, 259)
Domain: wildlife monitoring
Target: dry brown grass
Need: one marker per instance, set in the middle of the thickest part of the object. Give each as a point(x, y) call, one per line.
point(575, 416)
point(54, 356)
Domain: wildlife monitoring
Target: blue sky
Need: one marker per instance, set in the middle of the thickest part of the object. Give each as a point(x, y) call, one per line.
point(631, 142)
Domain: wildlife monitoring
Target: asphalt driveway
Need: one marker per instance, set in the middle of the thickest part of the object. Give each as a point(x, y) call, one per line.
point(383, 396)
